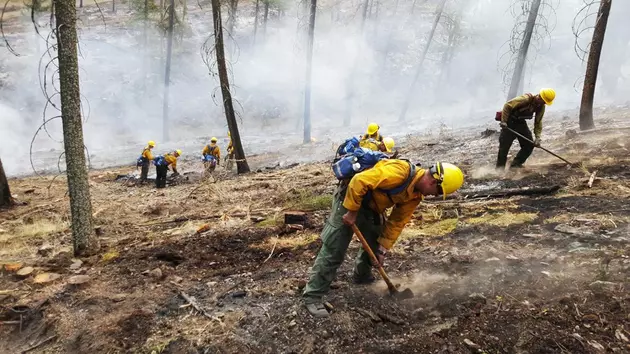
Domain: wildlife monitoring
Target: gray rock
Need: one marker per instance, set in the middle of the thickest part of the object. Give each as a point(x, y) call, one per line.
point(600, 285)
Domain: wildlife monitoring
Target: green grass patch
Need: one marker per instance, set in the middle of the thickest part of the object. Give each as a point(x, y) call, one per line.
point(306, 200)
point(503, 219)
point(428, 229)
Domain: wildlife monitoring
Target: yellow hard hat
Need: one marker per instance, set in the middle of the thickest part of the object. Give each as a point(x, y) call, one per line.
point(548, 95)
point(389, 144)
point(450, 178)
point(372, 128)
point(214, 140)
point(151, 143)
point(179, 152)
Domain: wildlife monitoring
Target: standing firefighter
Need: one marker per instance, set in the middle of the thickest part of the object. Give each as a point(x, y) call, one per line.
point(211, 155)
point(229, 158)
point(363, 201)
point(145, 160)
point(162, 163)
point(373, 139)
point(515, 114)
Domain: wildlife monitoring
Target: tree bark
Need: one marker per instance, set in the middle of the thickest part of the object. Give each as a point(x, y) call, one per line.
point(405, 106)
point(592, 66)
point(347, 119)
point(114, 6)
point(81, 3)
point(83, 236)
point(232, 16)
point(519, 67)
point(309, 70)
point(266, 15)
point(241, 162)
point(256, 20)
point(5, 192)
point(167, 74)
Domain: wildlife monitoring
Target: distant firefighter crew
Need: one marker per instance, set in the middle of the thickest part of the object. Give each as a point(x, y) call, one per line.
point(516, 112)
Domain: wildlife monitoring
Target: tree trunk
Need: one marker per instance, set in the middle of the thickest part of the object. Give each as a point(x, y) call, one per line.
point(83, 237)
point(5, 192)
point(425, 50)
point(81, 3)
point(347, 119)
point(241, 162)
point(114, 6)
point(592, 66)
point(519, 67)
point(232, 16)
point(266, 15)
point(309, 69)
point(256, 20)
point(167, 74)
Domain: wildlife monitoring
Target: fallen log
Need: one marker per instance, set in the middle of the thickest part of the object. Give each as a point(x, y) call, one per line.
point(505, 193)
point(295, 217)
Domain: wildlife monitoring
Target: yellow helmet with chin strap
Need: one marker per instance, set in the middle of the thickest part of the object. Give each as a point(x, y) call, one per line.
point(179, 152)
point(389, 144)
point(214, 140)
point(450, 178)
point(151, 143)
point(548, 95)
point(372, 128)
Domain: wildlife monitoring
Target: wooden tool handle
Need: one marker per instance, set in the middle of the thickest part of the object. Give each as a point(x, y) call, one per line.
point(373, 258)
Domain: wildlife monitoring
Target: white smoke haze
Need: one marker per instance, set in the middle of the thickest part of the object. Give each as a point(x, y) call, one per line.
point(122, 78)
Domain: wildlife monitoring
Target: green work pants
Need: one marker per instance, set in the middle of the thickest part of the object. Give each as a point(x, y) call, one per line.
point(336, 238)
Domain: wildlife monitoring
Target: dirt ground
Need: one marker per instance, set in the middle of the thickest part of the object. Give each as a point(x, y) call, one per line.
point(527, 274)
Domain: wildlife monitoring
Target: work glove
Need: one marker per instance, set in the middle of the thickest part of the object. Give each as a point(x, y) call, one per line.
point(503, 125)
point(537, 142)
point(380, 255)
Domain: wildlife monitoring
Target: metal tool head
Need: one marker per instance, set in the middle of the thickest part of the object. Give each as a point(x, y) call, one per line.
point(402, 295)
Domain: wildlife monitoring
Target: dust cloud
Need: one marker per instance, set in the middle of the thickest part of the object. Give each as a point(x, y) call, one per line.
point(122, 76)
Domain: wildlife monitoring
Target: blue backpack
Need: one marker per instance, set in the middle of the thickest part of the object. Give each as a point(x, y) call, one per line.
point(359, 160)
point(160, 161)
point(348, 146)
point(209, 158)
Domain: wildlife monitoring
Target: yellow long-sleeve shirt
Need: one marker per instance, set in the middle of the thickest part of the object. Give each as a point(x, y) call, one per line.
point(213, 150)
point(171, 160)
point(146, 153)
point(386, 175)
point(524, 107)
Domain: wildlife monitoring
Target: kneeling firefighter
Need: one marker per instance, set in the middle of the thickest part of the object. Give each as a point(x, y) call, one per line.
point(516, 112)
point(162, 163)
point(390, 183)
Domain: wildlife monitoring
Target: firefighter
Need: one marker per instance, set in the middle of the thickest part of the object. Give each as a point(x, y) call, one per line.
point(211, 154)
point(145, 160)
point(373, 139)
point(391, 183)
point(229, 158)
point(162, 163)
point(516, 112)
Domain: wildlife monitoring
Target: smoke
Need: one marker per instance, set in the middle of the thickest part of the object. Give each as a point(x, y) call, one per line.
point(122, 78)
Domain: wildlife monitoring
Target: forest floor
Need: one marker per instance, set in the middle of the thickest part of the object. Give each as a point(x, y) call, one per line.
point(528, 274)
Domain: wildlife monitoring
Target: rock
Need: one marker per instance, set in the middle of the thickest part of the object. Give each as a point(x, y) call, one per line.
point(78, 279)
point(567, 229)
point(76, 264)
point(25, 272)
point(239, 293)
point(544, 272)
point(46, 278)
point(156, 274)
point(118, 297)
point(329, 306)
point(477, 298)
point(45, 249)
point(290, 228)
point(177, 279)
point(470, 344)
point(602, 286)
point(590, 318)
point(301, 284)
point(293, 314)
point(493, 259)
point(326, 335)
point(292, 324)
point(211, 284)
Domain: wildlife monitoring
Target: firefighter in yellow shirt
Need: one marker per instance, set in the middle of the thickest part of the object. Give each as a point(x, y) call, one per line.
point(211, 155)
point(391, 183)
point(145, 160)
point(373, 139)
point(161, 167)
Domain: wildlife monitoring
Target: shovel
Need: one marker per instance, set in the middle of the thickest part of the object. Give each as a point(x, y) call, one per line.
point(393, 291)
point(540, 147)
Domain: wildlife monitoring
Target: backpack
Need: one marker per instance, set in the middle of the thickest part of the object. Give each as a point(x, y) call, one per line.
point(359, 160)
point(209, 158)
point(141, 160)
point(347, 147)
point(160, 161)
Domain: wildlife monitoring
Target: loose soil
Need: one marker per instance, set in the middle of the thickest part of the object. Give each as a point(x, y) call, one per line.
point(526, 274)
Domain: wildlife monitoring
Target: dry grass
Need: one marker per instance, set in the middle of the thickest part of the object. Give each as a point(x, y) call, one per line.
point(292, 242)
point(38, 229)
point(306, 200)
point(437, 228)
point(503, 219)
